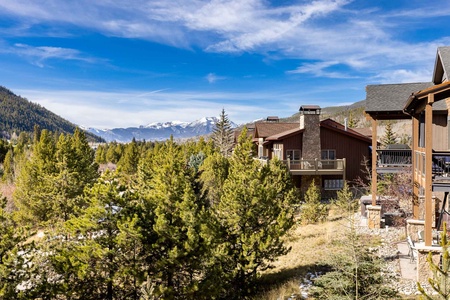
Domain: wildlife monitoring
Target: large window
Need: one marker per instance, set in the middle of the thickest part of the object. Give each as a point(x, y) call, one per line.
point(328, 154)
point(293, 154)
point(333, 184)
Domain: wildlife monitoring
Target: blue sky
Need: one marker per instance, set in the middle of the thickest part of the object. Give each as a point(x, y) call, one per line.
point(123, 63)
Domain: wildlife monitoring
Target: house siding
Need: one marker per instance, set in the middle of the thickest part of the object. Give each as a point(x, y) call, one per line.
point(440, 132)
point(353, 150)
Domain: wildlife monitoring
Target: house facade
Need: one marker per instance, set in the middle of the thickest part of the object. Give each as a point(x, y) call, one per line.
point(324, 151)
point(427, 105)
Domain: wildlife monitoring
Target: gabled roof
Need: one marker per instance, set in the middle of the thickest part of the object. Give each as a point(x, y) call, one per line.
point(333, 125)
point(384, 101)
point(440, 91)
point(441, 65)
point(264, 130)
point(327, 123)
point(285, 134)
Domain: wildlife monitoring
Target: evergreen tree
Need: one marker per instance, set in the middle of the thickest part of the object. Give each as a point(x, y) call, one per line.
point(440, 282)
point(345, 201)
point(8, 167)
point(223, 135)
point(213, 173)
point(355, 272)
point(254, 212)
point(51, 183)
point(175, 246)
point(313, 211)
point(130, 159)
point(389, 135)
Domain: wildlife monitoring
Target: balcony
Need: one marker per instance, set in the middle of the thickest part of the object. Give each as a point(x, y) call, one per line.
point(316, 166)
point(394, 158)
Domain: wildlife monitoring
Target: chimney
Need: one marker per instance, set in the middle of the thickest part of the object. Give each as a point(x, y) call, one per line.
point(310, 122)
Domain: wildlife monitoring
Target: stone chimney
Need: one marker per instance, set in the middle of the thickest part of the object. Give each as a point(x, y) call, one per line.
point(310, 122)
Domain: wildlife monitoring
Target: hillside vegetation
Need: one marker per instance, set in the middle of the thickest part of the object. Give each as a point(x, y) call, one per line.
point(17, 114)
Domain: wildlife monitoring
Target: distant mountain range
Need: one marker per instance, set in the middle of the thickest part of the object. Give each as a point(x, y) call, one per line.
point(17, 114)
point(159, 131)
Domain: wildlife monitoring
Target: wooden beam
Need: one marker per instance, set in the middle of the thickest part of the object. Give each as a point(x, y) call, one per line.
point(428, 170)
point(374, 162)
point(415, 144)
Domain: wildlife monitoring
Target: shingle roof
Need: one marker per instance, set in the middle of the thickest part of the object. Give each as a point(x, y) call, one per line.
point(442, 64)
point(391, 97)
point(264, 130)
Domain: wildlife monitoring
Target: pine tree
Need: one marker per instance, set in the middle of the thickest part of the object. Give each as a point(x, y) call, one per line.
point(389, 137)
point(313, 211)
point(130, 159)
point(8, 167)
point(254, 212)
point(355, 272)
point(213, 173)
point(174, 211)
point(440, 282)
point(223, 135)
point(12, 264)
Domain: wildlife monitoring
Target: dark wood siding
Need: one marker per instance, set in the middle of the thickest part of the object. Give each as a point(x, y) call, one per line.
point(352, 149)
point(292, 143)
point(440, 132)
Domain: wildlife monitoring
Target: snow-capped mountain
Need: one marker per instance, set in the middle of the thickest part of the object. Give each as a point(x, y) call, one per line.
point(159, 131)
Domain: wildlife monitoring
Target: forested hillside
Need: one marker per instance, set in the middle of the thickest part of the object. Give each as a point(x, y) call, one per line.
point(17, 115)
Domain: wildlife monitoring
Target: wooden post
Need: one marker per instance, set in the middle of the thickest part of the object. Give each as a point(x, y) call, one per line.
point(374, 162)
point(428, 170)
point(415, 144)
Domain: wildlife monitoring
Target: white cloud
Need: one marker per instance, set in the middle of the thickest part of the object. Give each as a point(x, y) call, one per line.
point(39, 55)
point(129, 109)
point(365, 39)
point(211, 77)
point(319, 69)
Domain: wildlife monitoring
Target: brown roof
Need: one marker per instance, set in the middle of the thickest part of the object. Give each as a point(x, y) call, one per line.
point(364, 131)
point(265, 130)
point(284, 134)
point(331, 124)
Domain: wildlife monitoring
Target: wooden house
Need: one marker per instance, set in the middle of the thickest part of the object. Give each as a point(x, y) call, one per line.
point(427, 105)
point(326, 151)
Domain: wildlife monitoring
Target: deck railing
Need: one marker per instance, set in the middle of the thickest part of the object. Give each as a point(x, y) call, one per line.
point(394, 157)
point(316, 164)
point(311, 164)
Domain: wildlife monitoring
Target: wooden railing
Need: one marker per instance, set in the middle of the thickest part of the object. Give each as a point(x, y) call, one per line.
point(316, 164)
point(394, 157)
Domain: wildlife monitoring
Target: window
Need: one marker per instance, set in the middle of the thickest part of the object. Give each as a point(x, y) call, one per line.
point(293, 154)
point(328, 154)
point(333, 184)
point(278, 151)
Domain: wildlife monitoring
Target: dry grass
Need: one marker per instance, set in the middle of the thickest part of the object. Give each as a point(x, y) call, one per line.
point(310, 246)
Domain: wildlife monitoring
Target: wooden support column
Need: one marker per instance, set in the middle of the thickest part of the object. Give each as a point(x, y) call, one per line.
point(374, 162)
point(415, 144)
point(428, 170)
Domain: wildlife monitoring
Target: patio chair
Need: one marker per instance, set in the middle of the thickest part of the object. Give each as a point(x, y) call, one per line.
point(420, 235)
point(412, 249)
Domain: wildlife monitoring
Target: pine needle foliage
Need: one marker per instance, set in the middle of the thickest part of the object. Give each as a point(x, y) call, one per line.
point(223, 135)
point(440, 282)
point(313, 210)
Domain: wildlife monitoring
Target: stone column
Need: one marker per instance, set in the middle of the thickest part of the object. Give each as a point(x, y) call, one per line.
point(423, 267)
point(374, 216)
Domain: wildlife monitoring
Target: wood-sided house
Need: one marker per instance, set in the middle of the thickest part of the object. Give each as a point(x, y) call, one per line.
point(325, 151)
point(427, 104)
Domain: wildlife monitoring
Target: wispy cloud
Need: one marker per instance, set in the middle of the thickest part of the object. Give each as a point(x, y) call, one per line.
point(327, 31)
point(321, 69)
point(39, 55)
point(211, 77)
